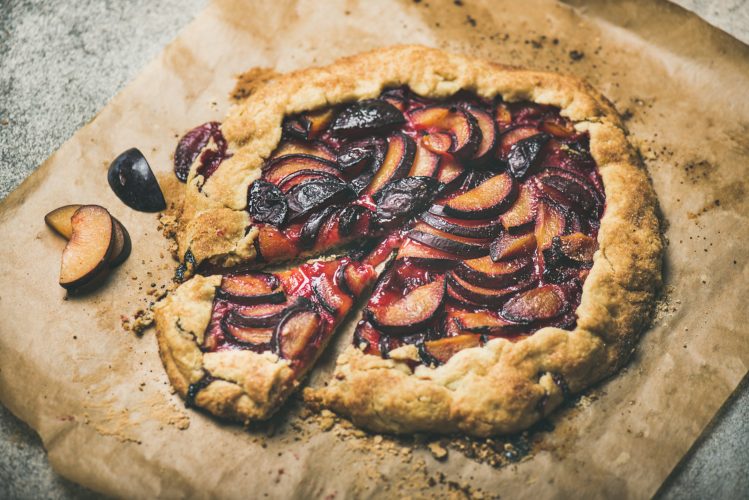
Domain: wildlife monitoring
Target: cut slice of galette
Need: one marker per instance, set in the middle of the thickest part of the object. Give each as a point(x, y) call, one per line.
point(518, 227)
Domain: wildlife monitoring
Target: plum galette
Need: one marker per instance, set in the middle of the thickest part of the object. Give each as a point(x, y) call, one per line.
point(495, 222)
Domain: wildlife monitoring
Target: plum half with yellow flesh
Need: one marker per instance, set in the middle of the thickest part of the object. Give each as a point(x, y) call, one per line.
point(86, 257)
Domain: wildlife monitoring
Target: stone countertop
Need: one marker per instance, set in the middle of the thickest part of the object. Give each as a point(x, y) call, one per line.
point(49, 89)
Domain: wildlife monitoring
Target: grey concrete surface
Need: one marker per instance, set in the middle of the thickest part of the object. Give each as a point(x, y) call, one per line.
point(60, 62)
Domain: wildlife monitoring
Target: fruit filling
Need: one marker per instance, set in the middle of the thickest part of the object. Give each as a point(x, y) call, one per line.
point(491, 208)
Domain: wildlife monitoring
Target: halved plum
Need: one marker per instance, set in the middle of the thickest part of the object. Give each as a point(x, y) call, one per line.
point(251, 288)
point(366, 117)
point(398, 161)
point(280, 168)
point(485, 272)
point(132, 180)
point(522, 213)
point(465, 292)
point(306, 198)
point(510, 246)
point(426, 163)
point(483, 322)
point(438, 352)
point(308, 148)
point(467, 228)
point(86, 256)
point(462, 126)
point(295, 332)
point(488, 133)
point(266, 203)
point(539, 304)
point(524, 153)
point(488, 199)
point(450, 243)
point(401, 199)
point(411, 312)
point(550, 222)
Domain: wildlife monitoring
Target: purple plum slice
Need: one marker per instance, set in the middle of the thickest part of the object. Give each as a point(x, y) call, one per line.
point(400, 199)
point(411, 312)
point(366, 117)
point(251, 288)
point(266, 203)
point(306, 198)
point(524, 153)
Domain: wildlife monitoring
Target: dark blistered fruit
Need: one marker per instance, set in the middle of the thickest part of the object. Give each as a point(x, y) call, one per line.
point(295, 332)
point(461, 125)
point(86, 256)
point(438, 352)
point(303, 176)
point(398, 160)
point(366, 154)
point(311, 228)
point(524, 153)
point(412, 311)
point(190, 146)
point(278, 170)
point(365, 117)
point(308, 197)
point(132, 180)
point(538, 304)
point(295, 127)
point(509, 246)
point(266, 203)
point(401, 199)
point(512, 136)
point(467, 228)
point(251, 288)
point(485, 272)
point(348, 218)
point(488, 199)
point(569, 190)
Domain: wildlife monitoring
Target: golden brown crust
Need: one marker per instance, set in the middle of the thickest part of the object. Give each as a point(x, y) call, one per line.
point(503, 386)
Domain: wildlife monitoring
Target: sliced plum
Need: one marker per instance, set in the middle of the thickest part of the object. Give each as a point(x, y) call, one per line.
point(251, 288)
point(426, 163)
point(465, 292)
point(524, 153)
point(480, 322)
point(485, 272)
point(306, 198)
point(397, 97)
point(313, 224)
point(510, 246)
point(439, 352)
point(488, 199)
point(488, 133)
point(132, 180)
point(86, 256)
point(365, 155)
point(401, 199)
point(467, 228)
point(253, 337)
point(398, 160)
point(273, 245)
point(308, 148)
point(295, 332)
point(423, 254)
point(266, 203)
point(295, 127)
point(303, 176)
point(502, 117)
point(569, 190)
point(450, 171)
point(560, 130)
point(512, 136)
point(366, 117)
point(259, 316)
point(318, 121)
point(550, 222)
point(462, 126)
point(538, 304)
point(450, 243)
point(122, 244)
point(355, 277)
point(349, 218)
point(522, 213)
point(578, 247)
point(439, 143)
point(275, 171)
point(329, 295)
point(59, 220)
point(411, 312)
point(192, 144)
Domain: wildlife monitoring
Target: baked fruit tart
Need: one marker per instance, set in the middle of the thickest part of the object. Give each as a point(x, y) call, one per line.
point(495, 223)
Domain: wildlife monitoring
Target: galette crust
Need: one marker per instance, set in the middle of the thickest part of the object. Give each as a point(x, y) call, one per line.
point(501, 387)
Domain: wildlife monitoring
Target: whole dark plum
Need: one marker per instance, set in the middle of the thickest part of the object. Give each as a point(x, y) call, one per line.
point(132, 180)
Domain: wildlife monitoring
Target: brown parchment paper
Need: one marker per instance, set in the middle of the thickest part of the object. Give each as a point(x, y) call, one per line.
point(99, 398)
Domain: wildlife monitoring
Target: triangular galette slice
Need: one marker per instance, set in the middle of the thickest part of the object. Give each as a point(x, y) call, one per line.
point(238, 344)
